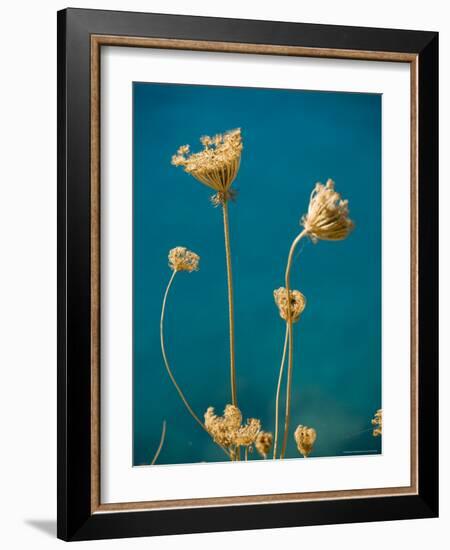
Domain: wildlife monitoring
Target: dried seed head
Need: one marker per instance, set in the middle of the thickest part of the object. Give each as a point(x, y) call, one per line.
point(218, 428)
point(327, 216)
point(297, 303)
point(228, 430)
point(246, 435)
point(182, 259)
point(233, 417)
point(305, 438)
point(217, 165)
point(263, 443)
point(377, 421)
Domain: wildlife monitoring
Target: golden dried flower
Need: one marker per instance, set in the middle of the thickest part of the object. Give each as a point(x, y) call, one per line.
point(227, 430)
point(377, 421)
point(298, 303)
point(263, 443)
point(218, 428)
point(182, 259)
point(327, 216)
point(305, 438)
point(233, 417)
point(246, 435)
point(216, 165)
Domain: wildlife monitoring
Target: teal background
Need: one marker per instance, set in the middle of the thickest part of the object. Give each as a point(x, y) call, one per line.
point(291, 140)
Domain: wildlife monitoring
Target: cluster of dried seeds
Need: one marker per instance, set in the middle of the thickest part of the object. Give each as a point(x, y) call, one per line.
point(229, 431)
point(217, 165)
point(305, 438)
point(327, 218)
point(297, 303)
point(182, 259)
point(377, 421)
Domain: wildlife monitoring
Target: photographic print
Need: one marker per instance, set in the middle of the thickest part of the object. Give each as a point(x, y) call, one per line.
point(256, 274)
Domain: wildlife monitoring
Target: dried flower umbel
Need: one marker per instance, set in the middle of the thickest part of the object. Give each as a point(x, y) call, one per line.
point(297, 303)
point(228, 430)
point(326, 219)
point(182, 259)
point(305, 438)
point(216, 166)
point(223, 428)
point(246, 435)
point(263, 443)
point(377, 421)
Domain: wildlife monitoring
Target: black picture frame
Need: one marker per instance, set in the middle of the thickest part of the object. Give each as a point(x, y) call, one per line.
point(75, 477)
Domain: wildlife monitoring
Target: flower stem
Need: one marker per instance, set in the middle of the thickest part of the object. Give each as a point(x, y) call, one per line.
point(166, 362)
point(161, 443)
point(277, 400)
point(226, 228)
point(291, 342)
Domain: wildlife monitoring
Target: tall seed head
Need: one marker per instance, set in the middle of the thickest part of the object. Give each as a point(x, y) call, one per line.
point(217, 165)
point(327, 217)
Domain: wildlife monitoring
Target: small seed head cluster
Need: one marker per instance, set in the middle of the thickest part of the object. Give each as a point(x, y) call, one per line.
point(217, 165)
point(377, 421)
point(305, 438)
point(182, 259)
point(228, 430)
point(327, 218)
point(297, 303)
point(263, 443)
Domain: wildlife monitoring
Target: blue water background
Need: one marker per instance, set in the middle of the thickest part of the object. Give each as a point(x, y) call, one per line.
point(291, 140)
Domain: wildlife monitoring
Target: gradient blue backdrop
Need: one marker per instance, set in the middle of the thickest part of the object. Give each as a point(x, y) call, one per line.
point(291, 140)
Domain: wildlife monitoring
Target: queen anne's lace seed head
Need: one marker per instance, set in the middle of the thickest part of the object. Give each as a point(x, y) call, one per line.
point(228, 430)
point(327, 216)
point(182, 259)
point(263, 443)
point(377, 421)
point(297, 304)
point(305, 438)
point(216, 165)
point(246, 435)
point(218, 428)
point(233, 417)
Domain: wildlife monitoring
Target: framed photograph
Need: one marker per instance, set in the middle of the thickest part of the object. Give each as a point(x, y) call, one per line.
point(247, 255)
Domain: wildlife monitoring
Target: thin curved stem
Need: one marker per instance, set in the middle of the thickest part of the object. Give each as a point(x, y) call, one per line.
point(166, 361)
point(291, 341)
point(161, 443)
point(226, 228)
point(287, 417)
point(169, 370)
point(277, 400)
